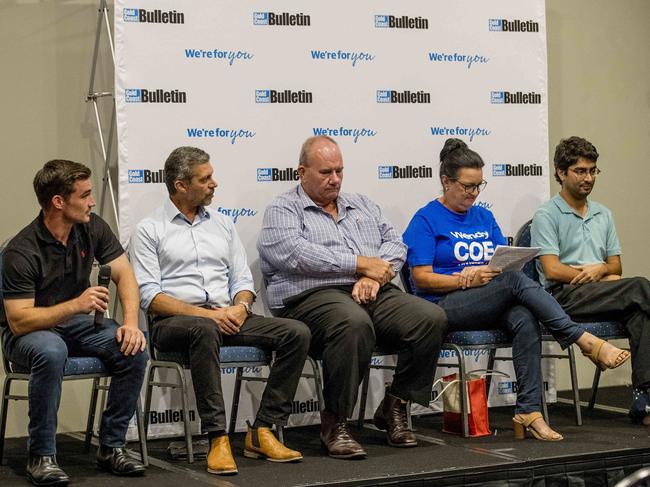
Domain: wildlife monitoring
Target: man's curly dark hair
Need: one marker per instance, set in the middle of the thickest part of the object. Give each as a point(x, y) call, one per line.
point(568, 151)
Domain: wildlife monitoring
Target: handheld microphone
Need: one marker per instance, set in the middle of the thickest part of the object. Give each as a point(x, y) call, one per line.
point(103, 279)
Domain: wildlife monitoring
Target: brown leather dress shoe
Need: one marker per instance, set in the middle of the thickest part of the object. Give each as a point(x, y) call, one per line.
point(220, 460)
point(336, 438)
point(391, 417)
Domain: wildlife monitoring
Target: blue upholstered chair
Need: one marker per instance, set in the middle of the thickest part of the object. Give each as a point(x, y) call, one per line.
point(233, 356)
point(458, 341)
point(606, 330)
point(76, 368)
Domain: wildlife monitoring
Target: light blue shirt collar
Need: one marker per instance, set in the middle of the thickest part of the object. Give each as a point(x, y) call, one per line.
point(564, 207)
point(171, 212)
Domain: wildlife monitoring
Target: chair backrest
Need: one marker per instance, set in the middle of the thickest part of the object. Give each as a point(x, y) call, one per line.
point(522, 239)
point(405, 277)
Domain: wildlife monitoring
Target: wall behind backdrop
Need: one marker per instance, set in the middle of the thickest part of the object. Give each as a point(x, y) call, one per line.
point(598, 71)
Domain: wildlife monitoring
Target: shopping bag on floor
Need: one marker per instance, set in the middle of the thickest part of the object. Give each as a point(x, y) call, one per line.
point(477, 407)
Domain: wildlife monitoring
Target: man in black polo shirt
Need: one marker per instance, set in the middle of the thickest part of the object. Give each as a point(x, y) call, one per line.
point(47, 301)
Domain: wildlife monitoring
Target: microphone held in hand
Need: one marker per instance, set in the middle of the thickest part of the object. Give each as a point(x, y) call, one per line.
point(103, 279)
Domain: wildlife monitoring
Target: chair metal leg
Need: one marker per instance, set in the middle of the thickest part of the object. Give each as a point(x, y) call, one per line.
point(365, 382)
point(3, 420)
point(147, 398)
point(90, 424)
point(574, 385)
point(490, 366)
point(235, 401)
point(462, 385)
point(594, 389)
point(186, 415)
point(141, 434)
point(318, 382)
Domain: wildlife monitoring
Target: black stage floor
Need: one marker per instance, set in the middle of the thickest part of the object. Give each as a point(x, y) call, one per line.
point(601, 452)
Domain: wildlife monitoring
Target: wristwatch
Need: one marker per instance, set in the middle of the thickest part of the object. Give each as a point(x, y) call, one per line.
point(247, 307)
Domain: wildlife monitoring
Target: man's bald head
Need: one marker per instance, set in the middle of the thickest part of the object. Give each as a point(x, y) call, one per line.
point(312, 144)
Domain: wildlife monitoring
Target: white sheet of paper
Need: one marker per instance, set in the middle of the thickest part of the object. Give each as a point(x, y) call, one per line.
point(512, 258)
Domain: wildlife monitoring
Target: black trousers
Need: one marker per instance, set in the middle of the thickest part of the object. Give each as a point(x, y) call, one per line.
point(201, 339)
point(626, 300)
point(344, 335)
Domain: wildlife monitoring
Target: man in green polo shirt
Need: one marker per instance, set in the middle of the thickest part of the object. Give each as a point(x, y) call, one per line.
point(580, 261)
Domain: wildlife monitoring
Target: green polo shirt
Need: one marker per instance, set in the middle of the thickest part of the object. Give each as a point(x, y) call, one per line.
point(559, 230)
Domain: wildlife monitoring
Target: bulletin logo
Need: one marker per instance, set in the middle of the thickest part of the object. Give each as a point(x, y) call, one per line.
point(268, 174)
point(284, 96)
point(407, 171)
point(517, 169)
point(400, 22)
point(504, 25)
point(515, 98)
point(281, 19)
point(141, 95)
point(393, 96)
point(153, 16)
point(507, 387)
point(145, 176)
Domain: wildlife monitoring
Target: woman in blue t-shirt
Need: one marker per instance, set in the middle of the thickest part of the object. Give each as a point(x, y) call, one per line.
point(450, 242)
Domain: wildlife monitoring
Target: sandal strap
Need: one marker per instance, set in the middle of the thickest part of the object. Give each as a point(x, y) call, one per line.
point(529, 418)
point(595, 351)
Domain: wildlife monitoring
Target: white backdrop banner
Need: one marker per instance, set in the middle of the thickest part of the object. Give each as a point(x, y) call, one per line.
point(389, 81)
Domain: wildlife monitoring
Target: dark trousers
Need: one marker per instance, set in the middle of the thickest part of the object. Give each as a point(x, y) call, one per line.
point(201, 339)
point(344, 335)
point(45, 353)
point(626, 300)
point(514, 302)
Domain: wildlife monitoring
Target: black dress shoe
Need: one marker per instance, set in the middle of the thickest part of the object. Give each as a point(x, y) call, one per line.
point(43, 470)
point(118, 462)
point(391, 417)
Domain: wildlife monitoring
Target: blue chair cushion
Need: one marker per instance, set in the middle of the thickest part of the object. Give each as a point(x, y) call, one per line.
point(483, 337)
point(603, 329)
point(74, 366)
point(227, 355)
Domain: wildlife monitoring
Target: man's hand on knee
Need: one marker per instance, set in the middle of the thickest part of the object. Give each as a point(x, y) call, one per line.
point(131, 339)
point(225, 320)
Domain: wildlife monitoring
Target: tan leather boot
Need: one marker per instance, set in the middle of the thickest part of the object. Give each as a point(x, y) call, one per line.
point(220, 460)
point(260, 443)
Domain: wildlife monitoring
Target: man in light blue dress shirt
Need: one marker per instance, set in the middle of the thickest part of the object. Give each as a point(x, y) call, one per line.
point(195, 283)
point(328, 258)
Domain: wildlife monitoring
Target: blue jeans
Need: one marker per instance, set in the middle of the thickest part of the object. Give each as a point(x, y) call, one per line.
point(514, 302)
point(45, 353)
